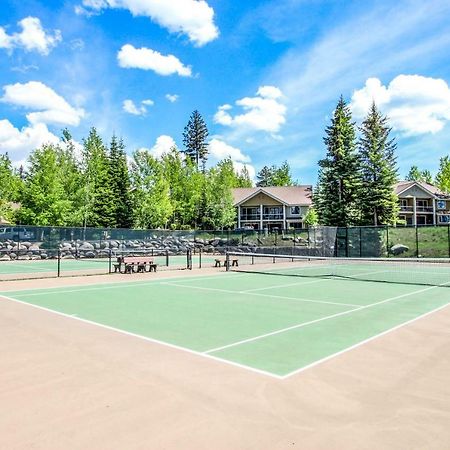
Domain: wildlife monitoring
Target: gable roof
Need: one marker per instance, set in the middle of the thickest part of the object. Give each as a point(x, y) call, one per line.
point(288, 195)
point(403, 186)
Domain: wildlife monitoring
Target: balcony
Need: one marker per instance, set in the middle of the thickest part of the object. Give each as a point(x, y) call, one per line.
point(424, 209)
point(406, 208)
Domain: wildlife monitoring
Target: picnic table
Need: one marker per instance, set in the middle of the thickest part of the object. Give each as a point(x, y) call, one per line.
point(222, 261)
point(134, 264)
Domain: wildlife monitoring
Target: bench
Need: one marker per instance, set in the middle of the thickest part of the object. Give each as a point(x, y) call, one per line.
point(219, 262)
point(135, 264)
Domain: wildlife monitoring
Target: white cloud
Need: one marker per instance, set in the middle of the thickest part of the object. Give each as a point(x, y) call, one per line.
point(414, 104)
point(195, 18)
point(49, 107)
point(148, 102)
point(129, 107)
point(143, 58)
point(33, 37)
point(19, 142)
point(219, 149)
point(172, 97)
point(264, 112)
point(162, 145)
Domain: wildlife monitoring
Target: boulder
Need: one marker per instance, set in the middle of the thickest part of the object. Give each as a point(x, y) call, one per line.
point(398, 249)
point(86, 246)
point(5, 258)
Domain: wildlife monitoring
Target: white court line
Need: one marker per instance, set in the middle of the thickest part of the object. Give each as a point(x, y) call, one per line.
point(365, 341)
point(297, 299)
point(304, 324)
point(110, 285)
point(145, 338)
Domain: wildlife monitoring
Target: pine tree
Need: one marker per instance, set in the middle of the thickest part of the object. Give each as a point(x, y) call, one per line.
point(336, 197)
point(264, 177)
point(120, 183)
point(281, 176)
point(194, 139)
point(378, 202)
point(99, 207)
point(10, 187)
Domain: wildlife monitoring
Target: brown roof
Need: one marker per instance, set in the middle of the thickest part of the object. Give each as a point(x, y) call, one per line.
point(404, 185)
point(289, 195)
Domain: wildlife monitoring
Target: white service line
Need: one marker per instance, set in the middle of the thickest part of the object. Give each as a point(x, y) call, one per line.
point(145, 338)
point(227, 291)
point(332, 316)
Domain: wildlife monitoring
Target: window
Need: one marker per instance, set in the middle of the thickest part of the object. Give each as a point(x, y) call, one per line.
point(403, 202)
point(422, 203)
point(441, 204)
point(444, 219)
point(295, 210)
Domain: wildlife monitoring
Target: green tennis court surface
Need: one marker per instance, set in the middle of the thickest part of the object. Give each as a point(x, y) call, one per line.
point(277, 325)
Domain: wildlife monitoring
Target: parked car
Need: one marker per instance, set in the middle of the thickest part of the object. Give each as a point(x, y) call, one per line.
point(15, 234)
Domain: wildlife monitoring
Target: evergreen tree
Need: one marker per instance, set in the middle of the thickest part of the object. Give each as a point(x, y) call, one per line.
point(99, 208)
point(336, 198)
point(264, 177)
point(194, 139)
point(120, 183)
point(281, 176)
point(443, 175)
point(415, 174)
point(378, 201)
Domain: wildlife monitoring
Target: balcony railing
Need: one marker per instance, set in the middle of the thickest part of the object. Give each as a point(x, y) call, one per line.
point(250, 216)
point(418, 208)
point(272, 216)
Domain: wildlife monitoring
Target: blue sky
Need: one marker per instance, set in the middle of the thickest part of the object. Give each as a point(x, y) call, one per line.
point(264, 74)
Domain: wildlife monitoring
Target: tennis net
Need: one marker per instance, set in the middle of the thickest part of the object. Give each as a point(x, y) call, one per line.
point(422, 271)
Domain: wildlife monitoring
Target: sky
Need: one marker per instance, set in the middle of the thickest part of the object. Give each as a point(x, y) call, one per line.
point(265, 75)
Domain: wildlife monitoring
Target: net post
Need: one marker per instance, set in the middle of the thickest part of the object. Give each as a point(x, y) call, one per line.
point(189, 259)
point(360, 242)
point(58, 255)
point(227, 261)
point(167, 258)
point(200, 259)
point(110, 261)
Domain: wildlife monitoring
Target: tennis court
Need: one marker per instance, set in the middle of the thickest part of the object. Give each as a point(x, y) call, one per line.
point(255, 318)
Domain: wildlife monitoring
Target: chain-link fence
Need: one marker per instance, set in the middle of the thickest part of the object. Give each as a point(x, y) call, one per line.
point(32, 243)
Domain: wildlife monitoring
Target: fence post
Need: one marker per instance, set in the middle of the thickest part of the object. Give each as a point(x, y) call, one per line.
point(346, 242)
point(360, 242)
point(110, 261)
point(417, 241)
point(448, 239)
point(387, 241)
point(59, 262)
